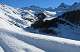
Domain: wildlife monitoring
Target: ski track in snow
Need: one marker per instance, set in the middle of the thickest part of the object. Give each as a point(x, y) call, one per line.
point(12, 44)
point(15, 42)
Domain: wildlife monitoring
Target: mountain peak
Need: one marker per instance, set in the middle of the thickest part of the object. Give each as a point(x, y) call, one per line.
point(49, 8)
point(34, 6)
point(30, 7)
point(63, 5)
point(76, 4)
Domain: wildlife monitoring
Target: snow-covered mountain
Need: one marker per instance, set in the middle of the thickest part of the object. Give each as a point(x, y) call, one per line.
point(65, 7)
point(17, 32)
point(62, 7)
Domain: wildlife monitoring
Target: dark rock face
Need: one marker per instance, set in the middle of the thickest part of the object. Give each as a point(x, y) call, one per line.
point(44, 26)
point(72, 16)
point(40, 16)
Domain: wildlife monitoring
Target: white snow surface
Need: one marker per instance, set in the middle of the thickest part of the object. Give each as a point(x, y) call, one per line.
point(15, 39)
point(50, 15)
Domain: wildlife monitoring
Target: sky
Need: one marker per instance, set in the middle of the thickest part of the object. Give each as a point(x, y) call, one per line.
point(40, 3)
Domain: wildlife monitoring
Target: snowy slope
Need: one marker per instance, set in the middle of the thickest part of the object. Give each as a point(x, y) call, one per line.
point(14, 39)
point(29, 42)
